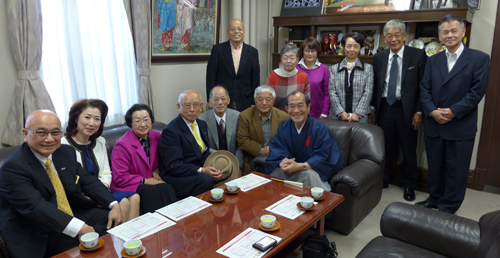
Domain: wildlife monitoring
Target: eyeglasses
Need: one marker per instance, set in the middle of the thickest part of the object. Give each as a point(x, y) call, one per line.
point(268, 100)
point(216, 100)
point(188, 105)
point(299, 106)
point(138, 121)
point(309, 51)
point(353, 46)
point(43, 134)
point(397, 36)
point(288, 58)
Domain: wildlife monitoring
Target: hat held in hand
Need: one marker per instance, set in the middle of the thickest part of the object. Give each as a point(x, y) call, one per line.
point(226, 162)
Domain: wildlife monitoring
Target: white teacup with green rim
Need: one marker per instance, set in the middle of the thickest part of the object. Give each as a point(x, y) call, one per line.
point(317, 192)
point(268, 221)
point(217, 193)
point(90, 240)
point(133, 247)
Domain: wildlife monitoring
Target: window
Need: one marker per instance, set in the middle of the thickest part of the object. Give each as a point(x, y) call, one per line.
point(88, 52)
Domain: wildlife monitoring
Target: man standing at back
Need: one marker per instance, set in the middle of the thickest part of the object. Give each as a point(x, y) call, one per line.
point(396, 101)
point(234, 65)
point(43, 194)
point(454, 83)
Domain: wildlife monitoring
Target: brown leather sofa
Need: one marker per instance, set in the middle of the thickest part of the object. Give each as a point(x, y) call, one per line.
point(360, 181)
point(412, 231)
point(111, 133)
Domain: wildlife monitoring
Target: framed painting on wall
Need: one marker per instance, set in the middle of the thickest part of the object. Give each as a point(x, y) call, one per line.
point(301, 7)
point(184, 30)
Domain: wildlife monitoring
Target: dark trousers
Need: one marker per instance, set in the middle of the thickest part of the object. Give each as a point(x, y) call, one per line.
point(202, 183)
point(449, 163)
point(154, 197)
point(96, 217)
point(391, 120)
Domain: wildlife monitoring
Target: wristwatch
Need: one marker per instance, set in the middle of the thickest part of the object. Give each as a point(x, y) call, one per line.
point(304, 166)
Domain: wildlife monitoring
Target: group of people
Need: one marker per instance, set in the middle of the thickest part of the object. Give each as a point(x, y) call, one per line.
point(50, 193)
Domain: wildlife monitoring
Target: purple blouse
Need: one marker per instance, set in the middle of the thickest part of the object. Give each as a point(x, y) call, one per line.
point(319, 79)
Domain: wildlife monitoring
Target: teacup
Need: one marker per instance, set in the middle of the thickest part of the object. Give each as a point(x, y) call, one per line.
point(232, 186)
point(306, 202)
point(217, 193)
point(133, 247)
point(317, 192)
point(268, 221)
point(90, 240)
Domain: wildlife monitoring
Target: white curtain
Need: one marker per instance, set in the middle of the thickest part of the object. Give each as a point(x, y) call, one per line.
point(88, 53)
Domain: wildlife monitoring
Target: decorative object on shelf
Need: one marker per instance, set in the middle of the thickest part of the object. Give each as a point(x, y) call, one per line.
point(339, 31)
point(474, 4)
point(364, 6)
point(301, 7)
point(329, 44)
point(380, 49)
point(436, 4)
point(371, 34)
point(417, 43)
point(433, 48)
point(184, 30)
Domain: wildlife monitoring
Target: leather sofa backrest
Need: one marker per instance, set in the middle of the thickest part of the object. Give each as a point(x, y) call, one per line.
point(489, 247)
point(357, 140)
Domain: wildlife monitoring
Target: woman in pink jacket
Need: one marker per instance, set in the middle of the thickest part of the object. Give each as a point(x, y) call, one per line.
point(135, 161)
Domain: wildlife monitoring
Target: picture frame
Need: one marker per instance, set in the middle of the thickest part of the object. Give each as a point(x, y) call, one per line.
point(372, 31)
point(322, 30)
point(198, 19)
point(301, 7)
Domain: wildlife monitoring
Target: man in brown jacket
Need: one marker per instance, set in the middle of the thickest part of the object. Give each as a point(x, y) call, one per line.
point(258, 125)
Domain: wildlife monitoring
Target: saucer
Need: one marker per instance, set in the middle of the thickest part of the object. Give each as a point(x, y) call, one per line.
point(141, 253)
point(100, 243)
point(319, 199)
point(276, 227)
point(210, 199)
point(238, 190)
point(304, 209)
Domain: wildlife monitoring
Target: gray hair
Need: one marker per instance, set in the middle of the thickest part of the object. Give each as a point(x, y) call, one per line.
point(449, 18)
point(289, 48)
point(395, 23)
point(212, 91)
point(264, 88)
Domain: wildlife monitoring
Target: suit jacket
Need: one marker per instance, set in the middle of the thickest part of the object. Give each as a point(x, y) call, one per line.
point(250, 136)
point(412, 71)
point(28, 205)
point(240, 86)
point(232, 117)
point(461, 90)
point(130, 163)
point(180, 155)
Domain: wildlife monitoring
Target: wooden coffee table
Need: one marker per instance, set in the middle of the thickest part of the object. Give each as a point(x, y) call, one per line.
point(203, 233)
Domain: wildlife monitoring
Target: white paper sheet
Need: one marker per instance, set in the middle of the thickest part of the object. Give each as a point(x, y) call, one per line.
point(251, 181)
point(183, 208)
point(142, 226)
point(241, 246)
point(287, 207)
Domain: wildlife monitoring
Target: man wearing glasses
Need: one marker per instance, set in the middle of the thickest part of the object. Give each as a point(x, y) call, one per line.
point(183, 149)
point(303, 149)
point(234, 65)
point(43, 194)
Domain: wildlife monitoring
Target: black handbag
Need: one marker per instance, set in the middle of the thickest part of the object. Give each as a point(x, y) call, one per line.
point(319, 247)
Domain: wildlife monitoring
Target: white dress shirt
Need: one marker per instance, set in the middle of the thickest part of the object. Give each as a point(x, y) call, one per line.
point(389, 64)
point(453, 57)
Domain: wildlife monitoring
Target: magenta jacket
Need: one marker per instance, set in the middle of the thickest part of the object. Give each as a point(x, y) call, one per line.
point(129, 162)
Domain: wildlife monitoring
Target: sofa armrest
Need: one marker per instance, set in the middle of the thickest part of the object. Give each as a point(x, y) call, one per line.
point(359, 176)
point(440, 232)
point(259, 163)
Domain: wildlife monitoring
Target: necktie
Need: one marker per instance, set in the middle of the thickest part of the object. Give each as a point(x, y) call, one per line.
point(222, 128)
point(197, 137)
point(62, 200)
point(393, 79)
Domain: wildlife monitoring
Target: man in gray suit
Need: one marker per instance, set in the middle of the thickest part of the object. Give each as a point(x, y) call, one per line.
point(222, 124)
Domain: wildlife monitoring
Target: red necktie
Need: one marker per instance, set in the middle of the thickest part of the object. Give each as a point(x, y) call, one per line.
point(222, 128)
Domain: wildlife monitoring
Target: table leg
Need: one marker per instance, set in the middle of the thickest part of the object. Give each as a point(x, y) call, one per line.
point(320, 226)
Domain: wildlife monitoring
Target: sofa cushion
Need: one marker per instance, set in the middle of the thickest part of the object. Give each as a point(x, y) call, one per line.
point(490, 235)
point(389, 247)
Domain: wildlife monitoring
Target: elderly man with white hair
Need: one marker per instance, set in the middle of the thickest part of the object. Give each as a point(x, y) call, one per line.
point(258, 125)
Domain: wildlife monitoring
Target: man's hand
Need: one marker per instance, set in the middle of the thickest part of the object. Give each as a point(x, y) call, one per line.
point(216, 174)
point(266, 150)
point(344, 116)
point(417, 121)
point(115, 215)
point(447, 113)
point(439, 116)
point(372, 117)
point(84, 230)
point(290, 166)
point(156, 174)
point(153, 181)
point(354, 118)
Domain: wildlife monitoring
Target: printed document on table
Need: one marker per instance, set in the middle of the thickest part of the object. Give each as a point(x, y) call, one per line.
point(183, 208)
point(142, 226)
point(287, 207)
point(250, 181)
point(241, 246)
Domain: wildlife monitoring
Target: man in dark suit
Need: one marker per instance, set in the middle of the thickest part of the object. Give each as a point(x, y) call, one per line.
point(396, 101)
point(454, 83)
point(43, 189)
point(234, 65)
point(258, 125)
point(222, 124)
point(183, 149)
